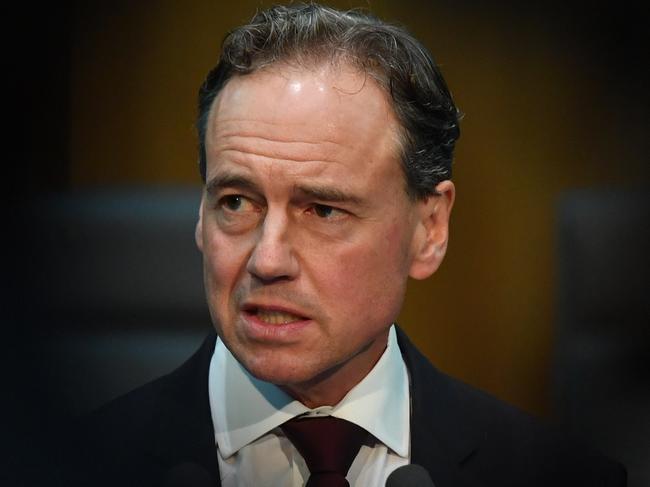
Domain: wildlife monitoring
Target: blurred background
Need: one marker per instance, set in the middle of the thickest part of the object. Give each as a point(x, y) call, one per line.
point(542, 299)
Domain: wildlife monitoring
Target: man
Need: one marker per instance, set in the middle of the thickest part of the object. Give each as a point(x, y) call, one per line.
point(326, 142)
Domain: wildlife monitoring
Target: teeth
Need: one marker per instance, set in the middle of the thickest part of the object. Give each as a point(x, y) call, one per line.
point(276, 317)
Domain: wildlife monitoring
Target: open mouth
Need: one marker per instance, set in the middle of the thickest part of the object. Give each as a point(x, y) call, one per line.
point(274, 317)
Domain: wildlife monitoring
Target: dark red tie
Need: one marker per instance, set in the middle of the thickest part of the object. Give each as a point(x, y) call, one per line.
point(328, 446)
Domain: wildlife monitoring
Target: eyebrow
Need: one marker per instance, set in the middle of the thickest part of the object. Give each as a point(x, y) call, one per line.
point(327, 194)
point(317, 192)
point(229, 180)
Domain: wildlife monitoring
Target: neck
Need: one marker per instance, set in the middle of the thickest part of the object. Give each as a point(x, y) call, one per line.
point(331, 386)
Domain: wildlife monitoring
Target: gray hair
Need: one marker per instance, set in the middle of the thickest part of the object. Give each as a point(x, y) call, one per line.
point(312, 33)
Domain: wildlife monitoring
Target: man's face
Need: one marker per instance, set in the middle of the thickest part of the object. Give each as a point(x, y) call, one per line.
point(306, 230)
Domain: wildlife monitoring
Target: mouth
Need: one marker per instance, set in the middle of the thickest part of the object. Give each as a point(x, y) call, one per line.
point(272, 316)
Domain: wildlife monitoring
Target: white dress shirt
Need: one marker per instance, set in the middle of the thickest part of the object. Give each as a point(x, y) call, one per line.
point(252, 449)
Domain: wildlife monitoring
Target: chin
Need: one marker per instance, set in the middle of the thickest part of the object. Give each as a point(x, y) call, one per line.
point(281, 371)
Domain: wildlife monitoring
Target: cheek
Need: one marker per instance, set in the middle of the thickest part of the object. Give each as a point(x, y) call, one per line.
point(397, 245)
point(223, 262)
point(384, 252)
point(367, 276)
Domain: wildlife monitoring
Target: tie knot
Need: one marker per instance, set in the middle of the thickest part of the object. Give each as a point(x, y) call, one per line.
point(328, 446)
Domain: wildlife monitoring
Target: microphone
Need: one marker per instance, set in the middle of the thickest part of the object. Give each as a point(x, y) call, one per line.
point(409, 476)
point(187, 474)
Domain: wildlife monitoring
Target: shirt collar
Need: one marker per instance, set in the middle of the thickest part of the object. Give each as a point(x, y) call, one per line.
point(245, 408)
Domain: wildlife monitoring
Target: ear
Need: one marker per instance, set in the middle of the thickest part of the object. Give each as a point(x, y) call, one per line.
point(432, 231)
point(198, 231)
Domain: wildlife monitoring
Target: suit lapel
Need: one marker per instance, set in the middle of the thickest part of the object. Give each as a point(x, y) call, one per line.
point(441, 436)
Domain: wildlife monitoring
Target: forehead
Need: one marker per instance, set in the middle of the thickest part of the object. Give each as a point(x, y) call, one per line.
point(282, 92)
point(325, 113)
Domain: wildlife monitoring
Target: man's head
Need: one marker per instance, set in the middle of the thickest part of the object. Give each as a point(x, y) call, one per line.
point(307, 228)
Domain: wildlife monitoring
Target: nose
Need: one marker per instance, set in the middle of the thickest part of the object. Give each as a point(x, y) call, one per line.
point(272, 258)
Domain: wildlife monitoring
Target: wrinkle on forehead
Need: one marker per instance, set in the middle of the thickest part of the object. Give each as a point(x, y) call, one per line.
point(252, 167)
point(253, 128)
point(243, 142)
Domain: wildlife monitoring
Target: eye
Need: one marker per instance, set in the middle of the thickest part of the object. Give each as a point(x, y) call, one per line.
point(236, 203)
point(327, 212)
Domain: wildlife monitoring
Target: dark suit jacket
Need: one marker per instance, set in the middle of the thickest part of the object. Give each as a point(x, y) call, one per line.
point(463, 437)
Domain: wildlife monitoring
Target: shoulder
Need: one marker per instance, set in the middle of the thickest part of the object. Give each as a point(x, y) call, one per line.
point(175, 391)
point(137, 437)
point(491, 441)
